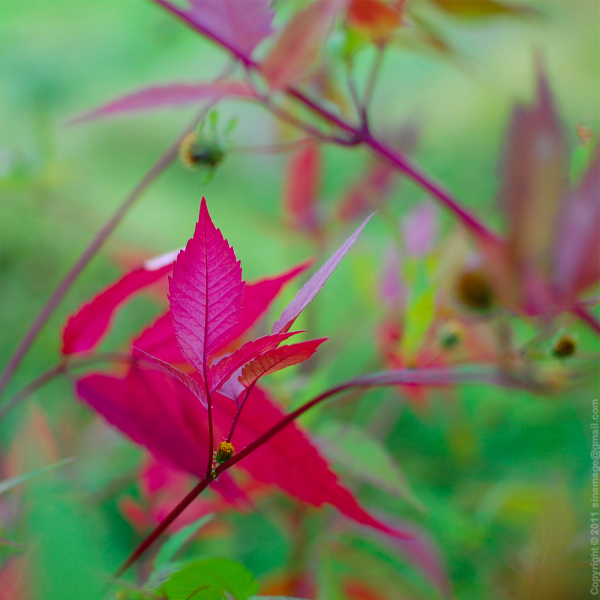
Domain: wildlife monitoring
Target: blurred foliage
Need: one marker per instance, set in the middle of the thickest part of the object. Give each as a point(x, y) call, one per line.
point(503, 476)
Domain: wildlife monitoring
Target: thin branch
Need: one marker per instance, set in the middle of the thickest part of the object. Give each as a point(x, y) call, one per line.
point(372, 80)
point(238, 412)
point(582, 312)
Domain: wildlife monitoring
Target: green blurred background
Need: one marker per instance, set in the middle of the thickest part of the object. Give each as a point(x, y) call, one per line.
point(483, 464)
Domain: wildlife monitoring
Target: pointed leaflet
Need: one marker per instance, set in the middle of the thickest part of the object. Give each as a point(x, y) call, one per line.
point(310, 289)
point(576, 257)
point(176, 94)
point(150, 408)
point(298, 45)
point(236, 26)
point(191, 384)
point(228, 365)
point(302, 189)
point(159, 338)
point(206, 292)
point(85, 329)
point(278, 359)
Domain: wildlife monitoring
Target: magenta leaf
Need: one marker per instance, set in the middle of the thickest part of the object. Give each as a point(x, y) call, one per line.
point(576, 257)
point(191, 384)
point(239, 27)
point(176, 94)
point(205, 292)
point(278, 359)
point(86, 328)
point(310, 289)
point(259, 295)
point(156, 412)
point(227, 366)
point(159, 340)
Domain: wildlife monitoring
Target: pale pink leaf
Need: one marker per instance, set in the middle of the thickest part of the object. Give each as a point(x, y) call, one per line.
point(576, 256)
point(237, 24)
point(176, 94)
point(227, 366)
point(276, 360)
point(85, 329)
point(420, 229)
point(205, 292)
point(298, 45)
point(196, 388)
point(310, 289)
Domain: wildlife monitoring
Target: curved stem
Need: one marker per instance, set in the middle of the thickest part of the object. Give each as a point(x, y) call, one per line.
point(238, 412)
point(162, 526)
point(584, 314)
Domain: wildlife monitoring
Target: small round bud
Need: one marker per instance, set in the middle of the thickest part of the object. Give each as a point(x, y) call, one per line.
point(564, 346)
point(225, 451)
point(194, 152)
point(474, 289)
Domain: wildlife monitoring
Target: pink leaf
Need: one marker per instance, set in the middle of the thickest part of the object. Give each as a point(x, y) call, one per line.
point(237, 26)
point(228, 365)
point(278, 359)
point(302, 189)
point(191, 384)
point(176, 94)
point(420, 229)
point(259, 295)
point(154, 411)
point(310, 289)
point(298, 45)
point(159, 340)
point(85, 329)
point(533, 179)
point(576, 257)
point(205, 292)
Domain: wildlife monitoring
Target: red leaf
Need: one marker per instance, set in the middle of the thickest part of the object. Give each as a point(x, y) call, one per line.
point(162, 415)
point(298, 45)
point(533, 183)
point(278, 359)
point(227, 366)
point(576, 257)
point(154, 411)
point(239, 27)
point(310, 289)
point(191, 384)
point(85, 329)
point(175, 94)
point(259, 295)
point(205, 292)
point(159, 339)
point(302, 188)
point(373, 18)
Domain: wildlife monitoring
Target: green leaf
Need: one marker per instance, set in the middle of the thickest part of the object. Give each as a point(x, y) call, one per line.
point(8, 484)
point(177, 541)
point(275, 598)
point(367, 459)
point(477, 9)
point(209, 580)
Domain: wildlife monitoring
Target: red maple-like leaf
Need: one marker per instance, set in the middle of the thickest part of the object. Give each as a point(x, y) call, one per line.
point(86, 328)
point(205, 292)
